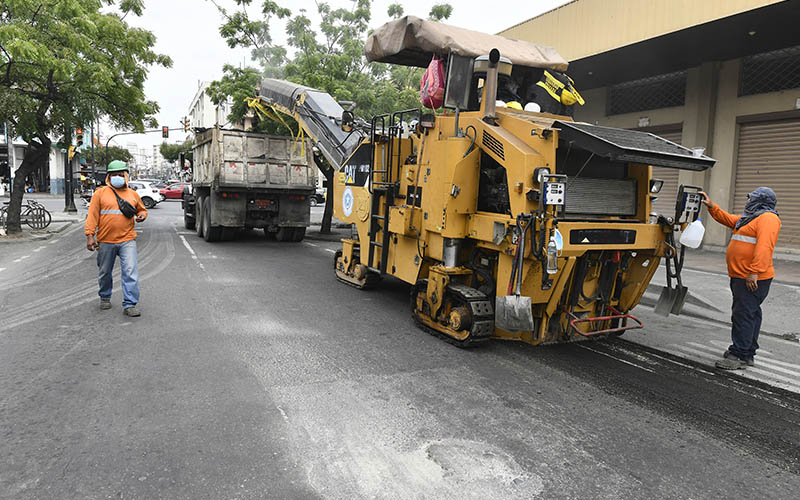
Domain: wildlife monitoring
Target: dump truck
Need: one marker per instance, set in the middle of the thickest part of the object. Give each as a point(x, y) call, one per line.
point(244, 180)
point(506, 223)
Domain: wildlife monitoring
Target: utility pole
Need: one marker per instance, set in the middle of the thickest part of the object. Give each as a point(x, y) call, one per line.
point(94, 173)
point(69, 199)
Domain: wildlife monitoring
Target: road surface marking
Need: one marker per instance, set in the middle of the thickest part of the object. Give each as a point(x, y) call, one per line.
point(2, 269)
point(618, 359)
point(330, 250)
point(763, 361)
point(752, 372)
point(194, 255)
point(38, 249)
point(310, 244)
point(21, 258)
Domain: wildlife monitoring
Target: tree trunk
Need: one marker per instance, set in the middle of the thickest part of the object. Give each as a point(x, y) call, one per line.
point(328, 172)
point(34, 157)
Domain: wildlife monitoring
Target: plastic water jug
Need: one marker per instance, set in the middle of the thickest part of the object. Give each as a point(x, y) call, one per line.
point(692, 236)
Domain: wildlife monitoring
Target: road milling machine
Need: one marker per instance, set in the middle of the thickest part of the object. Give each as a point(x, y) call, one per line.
point(507, 223)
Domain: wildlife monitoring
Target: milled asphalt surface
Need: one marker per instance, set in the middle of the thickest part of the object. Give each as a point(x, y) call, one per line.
point(253, 373)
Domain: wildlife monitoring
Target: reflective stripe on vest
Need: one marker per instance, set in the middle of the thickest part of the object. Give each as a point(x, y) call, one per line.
point(116, 211)
point(746, 239)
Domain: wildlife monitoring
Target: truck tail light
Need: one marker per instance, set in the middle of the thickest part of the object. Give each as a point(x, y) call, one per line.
point(230, 195)
point(296, 197)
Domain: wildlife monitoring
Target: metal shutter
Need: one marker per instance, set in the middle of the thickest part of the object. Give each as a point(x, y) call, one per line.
point(665, 204)
point(769, 155)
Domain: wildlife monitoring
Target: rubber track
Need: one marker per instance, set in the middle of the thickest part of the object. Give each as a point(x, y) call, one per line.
point(479, 304)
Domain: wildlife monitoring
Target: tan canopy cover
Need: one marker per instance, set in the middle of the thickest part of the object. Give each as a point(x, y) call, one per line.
point(412, 41)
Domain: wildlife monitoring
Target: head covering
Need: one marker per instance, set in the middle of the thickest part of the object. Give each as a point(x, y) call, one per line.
point(760, 201)
point(116, 166)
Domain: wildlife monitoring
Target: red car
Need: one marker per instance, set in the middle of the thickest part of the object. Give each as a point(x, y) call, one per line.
point(175, 191)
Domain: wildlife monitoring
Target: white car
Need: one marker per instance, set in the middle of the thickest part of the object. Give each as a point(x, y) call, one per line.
point(147, 192)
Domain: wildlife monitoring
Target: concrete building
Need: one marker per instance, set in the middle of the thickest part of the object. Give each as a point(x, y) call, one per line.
point(723, 75)
point(203, 113)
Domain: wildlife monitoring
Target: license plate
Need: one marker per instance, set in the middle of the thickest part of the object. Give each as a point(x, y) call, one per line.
point(263, 203)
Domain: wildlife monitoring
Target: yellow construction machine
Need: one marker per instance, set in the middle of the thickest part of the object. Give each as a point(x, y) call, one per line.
point(507, 223)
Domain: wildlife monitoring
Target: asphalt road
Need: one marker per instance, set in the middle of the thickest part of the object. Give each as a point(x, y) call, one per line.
point(253, 373)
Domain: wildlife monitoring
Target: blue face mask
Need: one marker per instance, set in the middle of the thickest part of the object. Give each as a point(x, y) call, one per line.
point(117, 181)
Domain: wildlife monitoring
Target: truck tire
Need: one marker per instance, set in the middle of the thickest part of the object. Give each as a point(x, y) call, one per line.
point(299, 234)
point(210, 233)
point(188, 221)
point(198, 215)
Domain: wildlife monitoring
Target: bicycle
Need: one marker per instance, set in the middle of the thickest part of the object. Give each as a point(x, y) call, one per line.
point(33, 214)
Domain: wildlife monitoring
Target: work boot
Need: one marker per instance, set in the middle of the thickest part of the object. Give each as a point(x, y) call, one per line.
point(105, 303)
point(750, 362)
point(731, 362)
point(132, 311)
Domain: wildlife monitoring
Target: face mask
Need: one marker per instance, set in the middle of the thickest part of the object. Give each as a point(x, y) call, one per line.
point(117, 181)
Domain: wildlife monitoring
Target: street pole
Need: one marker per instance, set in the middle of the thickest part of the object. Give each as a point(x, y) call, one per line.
point(94, 174)
point(69, 199)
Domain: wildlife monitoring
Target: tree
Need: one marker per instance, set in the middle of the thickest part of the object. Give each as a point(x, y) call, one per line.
point(330, 58)
point(172, 152)
point(64, 64)
point(114, 153)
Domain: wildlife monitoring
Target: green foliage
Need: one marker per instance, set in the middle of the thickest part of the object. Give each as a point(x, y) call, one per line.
point(440, 12)
point(66, 63)
point(329, 58)
point(395, 11)
point(172, 152)
point(114, 153)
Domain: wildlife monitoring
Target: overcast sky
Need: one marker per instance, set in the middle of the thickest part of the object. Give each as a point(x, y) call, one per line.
point(187, 30)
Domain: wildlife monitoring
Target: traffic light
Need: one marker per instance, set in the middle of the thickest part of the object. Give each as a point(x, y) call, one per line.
point(165, 132)
point(185, 123)
point(79, 137)
point(71, 152)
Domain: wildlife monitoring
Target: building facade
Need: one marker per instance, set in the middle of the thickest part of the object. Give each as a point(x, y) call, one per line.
point(203, 113)
point(722, 75)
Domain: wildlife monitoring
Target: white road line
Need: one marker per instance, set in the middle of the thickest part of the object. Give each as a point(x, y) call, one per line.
point(618, 359)
point(685, 365)
point(2, 269)
point(753, 372)
point(310, 244)
point(38, 249)
point(762, 361)
point(329, 250)
point(191, 251)
point(724, 345)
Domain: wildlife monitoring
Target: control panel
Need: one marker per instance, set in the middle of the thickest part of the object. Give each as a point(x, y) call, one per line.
point(687, 206)
point(555, 193)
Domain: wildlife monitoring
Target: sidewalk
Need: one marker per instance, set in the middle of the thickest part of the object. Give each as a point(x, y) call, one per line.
point(60, 222)
point(705, 274)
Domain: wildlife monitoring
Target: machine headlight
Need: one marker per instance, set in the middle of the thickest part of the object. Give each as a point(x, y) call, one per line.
point(656, 185)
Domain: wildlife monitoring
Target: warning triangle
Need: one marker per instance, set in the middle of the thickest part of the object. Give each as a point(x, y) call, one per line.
point(585, 240)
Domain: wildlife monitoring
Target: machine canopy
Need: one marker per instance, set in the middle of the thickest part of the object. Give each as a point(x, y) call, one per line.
point(411, 41)
point(631, 146)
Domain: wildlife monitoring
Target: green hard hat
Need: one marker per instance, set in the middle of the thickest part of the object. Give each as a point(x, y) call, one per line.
point(116, 166)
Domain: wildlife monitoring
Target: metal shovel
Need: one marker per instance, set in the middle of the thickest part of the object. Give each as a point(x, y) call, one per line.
point(514, 312)
point(671, 299)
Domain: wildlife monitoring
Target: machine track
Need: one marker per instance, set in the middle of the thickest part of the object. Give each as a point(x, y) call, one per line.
point(478, 304)
point(370, 281)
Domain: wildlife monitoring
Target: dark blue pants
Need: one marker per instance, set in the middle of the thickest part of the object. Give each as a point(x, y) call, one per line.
point(746, 317)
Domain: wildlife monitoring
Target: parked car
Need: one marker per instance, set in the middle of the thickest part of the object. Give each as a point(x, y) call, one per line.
point(147, 192)
point(318, 198)
point(174, 191)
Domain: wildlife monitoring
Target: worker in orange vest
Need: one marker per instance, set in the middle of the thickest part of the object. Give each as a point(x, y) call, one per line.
point(749, 258)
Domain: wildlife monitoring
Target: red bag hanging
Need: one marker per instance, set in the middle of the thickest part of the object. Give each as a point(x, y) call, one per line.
point(431, 87)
